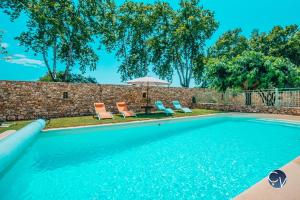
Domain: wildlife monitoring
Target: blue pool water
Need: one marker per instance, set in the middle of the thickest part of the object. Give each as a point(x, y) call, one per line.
point(204, 158)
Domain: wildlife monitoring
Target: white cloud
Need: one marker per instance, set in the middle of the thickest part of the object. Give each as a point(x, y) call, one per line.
point(20, 55)
point(21, 59)
point(4, 45)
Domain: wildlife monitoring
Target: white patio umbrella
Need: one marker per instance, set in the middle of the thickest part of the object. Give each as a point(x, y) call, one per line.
point(148, 81)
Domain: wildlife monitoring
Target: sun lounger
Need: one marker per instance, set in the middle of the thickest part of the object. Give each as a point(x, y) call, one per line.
point(160, 106)
point(101, 111)
point(178, 106)
point(123, 109)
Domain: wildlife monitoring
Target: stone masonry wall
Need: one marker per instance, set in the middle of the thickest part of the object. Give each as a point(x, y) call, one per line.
point(31, 100)
point(250, 109)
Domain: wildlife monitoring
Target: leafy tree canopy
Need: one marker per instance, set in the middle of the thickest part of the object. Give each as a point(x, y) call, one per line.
point(134, 28)
point(166, 39)
point(180, 41)
point(279, 42)
point(252, 70)
point(61, 31)
point(229, 45)
point(3, 48)
point(72, 78)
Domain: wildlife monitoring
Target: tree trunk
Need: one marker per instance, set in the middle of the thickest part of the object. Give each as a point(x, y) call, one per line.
point(54, 58)
point(48, 66)
point(69, 62)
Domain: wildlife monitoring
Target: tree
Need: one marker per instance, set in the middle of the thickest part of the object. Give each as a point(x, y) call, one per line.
point(133, 27)
point(158, 43)
point(179, 43)
point(60, 27)
point(61, 31)
point(229, 45)
point(72, 78)
point(159, 38)
point(254, 71)
point(101, 16)
point(279, 42)
point(3, 47)
point(14, 7)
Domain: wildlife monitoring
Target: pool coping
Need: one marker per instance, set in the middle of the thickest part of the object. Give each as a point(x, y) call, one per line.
point(263, 190)
point(7, 133)
point(266, 117)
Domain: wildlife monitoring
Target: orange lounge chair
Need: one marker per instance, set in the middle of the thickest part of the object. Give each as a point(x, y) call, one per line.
point(123, 109)
point(101, 111)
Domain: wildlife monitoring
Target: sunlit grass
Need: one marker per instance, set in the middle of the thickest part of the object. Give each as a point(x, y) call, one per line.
point(91, 120)
point(15, 125)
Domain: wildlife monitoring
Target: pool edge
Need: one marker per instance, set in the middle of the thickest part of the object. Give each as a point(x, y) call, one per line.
point(255, 115)
point(263, 190)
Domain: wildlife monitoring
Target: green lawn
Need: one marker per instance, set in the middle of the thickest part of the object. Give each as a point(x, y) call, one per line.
point(15, 125)
point(90, 120)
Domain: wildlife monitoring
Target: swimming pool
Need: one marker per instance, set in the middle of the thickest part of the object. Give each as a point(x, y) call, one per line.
point(201, 158)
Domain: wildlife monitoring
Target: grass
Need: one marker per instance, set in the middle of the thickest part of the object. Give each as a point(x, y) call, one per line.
point(91, 120)
point(15, 126)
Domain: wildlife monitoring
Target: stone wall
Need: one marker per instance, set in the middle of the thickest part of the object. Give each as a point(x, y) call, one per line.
point(250, 109)
point(30, 100)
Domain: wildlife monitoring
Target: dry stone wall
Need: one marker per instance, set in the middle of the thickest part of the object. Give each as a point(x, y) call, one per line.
point(250, 109)
point(30, 100)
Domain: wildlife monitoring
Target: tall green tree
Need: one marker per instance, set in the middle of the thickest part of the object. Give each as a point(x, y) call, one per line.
point(156, 37)
point(279, 42)
point(58, 30)
point(158, 43)
point(251, 71)
point(101, 17)
point(133, 29)
point(180, 41)
point(229, 45)
point(61, 31)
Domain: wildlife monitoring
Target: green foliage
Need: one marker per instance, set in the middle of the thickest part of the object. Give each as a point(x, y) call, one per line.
point(14, 7)
point(62, 31)
point(166, 39)
point(252, 70)
point(134, 27)
point(60, 27)
point(3, 50)
point(100, 16)
point(180, 40)
point(279, 42)
point(72, 78)
point(265, 60)
point(229, 45)
point(160, 40)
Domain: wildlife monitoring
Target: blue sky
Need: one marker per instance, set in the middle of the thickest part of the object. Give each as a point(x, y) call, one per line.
point(246, 14)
